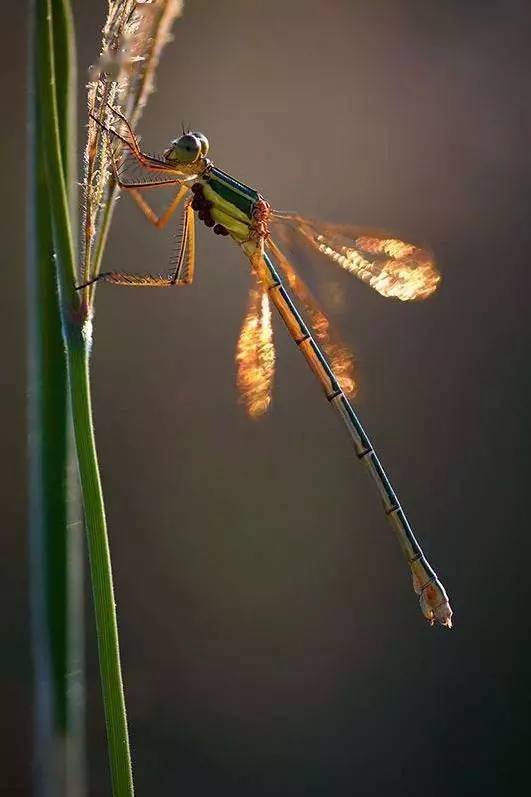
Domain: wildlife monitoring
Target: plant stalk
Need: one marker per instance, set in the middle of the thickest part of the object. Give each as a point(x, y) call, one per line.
point(77, 340)
point(55, 540)
point(101, 571)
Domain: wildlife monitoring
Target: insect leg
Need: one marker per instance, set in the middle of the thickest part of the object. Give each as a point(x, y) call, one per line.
point(182, 267)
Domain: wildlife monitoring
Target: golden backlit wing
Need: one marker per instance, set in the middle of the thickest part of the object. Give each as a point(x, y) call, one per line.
point(392, 267)
point(255, 355)
point(340, 357)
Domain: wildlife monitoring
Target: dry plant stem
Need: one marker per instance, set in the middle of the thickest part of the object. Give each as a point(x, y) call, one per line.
point(104, 230)
point(134, 106)
point(76, 335)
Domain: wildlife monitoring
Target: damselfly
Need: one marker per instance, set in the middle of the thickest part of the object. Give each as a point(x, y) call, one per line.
point(390, 266)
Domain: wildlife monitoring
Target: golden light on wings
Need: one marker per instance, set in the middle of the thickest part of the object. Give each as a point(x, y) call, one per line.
point(392, 267)
point(340, 357)
point(255, 355)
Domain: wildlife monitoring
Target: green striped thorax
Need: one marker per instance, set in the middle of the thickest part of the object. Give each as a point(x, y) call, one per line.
point(225, 190)
point(227, 205)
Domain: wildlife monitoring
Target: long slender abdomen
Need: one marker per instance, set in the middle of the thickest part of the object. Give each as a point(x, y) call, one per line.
point(433, 598)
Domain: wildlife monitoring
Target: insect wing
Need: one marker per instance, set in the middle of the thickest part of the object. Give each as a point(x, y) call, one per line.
point(255, 355)
point(340, 357)
point(392, 267)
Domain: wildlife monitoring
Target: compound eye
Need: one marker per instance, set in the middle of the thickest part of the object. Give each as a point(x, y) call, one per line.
point(185, 149)
point(204, 142)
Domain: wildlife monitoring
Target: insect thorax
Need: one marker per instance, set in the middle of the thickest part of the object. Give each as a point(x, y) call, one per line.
point(230, 207)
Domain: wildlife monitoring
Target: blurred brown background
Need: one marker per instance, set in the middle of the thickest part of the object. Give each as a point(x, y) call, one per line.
point(271, 641)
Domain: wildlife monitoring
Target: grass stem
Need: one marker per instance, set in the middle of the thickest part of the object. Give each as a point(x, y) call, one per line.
point(76, 325)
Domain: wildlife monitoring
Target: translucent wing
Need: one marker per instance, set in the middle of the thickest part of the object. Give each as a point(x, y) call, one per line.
point(255, 355)
point(392, 267)
point(340, 357)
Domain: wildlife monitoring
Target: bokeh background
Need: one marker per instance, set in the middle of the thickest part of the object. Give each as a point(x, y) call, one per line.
point(271, 641)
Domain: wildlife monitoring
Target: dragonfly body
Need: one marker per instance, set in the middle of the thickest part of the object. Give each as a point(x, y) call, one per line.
point(433, 598)
point(233, 209)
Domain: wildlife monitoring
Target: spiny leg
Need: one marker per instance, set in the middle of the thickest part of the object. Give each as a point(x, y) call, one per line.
point(134, 190)
point(117, 169)
point(181, 273)
point(158, 221)
point(183, 267)
point(147, 161)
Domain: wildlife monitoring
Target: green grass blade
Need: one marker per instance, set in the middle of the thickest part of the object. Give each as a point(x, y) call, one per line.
point(48, 491)
point(53, 149)
point(100, 568)
point(56, 569)
point(76, 335)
